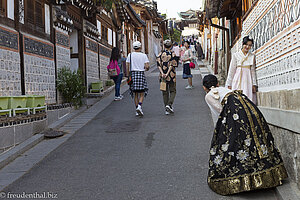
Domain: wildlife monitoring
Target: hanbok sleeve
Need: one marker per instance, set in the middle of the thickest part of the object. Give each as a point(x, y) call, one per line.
point(232, 70)
point(253, 72)
point(214, 103)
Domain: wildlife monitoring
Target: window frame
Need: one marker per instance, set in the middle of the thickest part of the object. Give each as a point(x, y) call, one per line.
point(33, 23)
point(4, 7)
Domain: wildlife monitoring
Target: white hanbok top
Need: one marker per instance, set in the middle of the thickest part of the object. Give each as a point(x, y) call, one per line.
point(242, 74)
point(213, 99)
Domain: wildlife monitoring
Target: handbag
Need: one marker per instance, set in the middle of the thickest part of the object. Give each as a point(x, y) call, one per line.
point(192, 65)
point(129, 79)
point(113, 69)
point(112, 72)
point(163, 85)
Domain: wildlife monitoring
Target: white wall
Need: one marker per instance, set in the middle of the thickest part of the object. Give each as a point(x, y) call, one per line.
point(47, 19)
point(114, 39)
point(110, 39)
point(10, 9)
point(99, 28)
point(74, 41)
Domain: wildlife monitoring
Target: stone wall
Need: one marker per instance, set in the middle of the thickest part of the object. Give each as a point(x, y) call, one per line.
point(10, 73)
point(104, 56)
point(92, 65)
point(275, 27)
point(39, 68)
point(288, 143)
point(62, 50)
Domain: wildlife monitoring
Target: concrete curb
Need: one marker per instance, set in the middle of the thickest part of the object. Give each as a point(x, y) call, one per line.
point(13, 153)
point(287, 191)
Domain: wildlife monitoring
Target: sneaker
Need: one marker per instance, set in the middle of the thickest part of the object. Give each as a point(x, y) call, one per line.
point(136, 114)
point(139, 110)
point(121, 96)
point(117, 99)
point(167, 113)
point(189, 87)
point(169, 109)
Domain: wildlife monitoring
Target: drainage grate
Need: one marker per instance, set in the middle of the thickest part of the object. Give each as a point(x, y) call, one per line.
point(53, 133)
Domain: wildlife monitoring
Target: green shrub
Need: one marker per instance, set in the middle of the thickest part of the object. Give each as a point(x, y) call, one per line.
point(109, 83)
point(70, 85)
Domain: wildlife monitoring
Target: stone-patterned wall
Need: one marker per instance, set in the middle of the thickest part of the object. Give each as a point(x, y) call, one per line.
point(275, 27)
point(288, 143)
point(92, 65)
point(62, 50)
point(10, 73)
point(39, 68)
point(104, 54)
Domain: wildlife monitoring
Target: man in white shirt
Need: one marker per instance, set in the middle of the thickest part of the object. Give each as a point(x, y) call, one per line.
point(137, 63)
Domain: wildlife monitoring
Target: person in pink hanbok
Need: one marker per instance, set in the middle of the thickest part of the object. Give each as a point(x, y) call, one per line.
point(242, 74)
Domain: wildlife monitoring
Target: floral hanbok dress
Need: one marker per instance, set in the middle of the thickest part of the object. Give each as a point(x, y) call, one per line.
point(242, 74)
point(243, 155)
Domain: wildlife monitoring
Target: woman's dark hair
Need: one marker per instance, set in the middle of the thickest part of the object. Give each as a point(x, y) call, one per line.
point(247, 39)
point(209, 81)
point(188, 42)
point(115, 54)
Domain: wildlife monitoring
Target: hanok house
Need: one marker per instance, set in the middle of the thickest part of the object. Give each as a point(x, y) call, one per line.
point(26, 50)
point(132, 27)
point(154, 25)
point(91, 37)
point(275, 27)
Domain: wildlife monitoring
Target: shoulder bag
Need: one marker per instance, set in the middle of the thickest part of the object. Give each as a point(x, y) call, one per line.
point(129, 79)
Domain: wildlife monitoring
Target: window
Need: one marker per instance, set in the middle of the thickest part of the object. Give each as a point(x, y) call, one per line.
point(34, 14)
point(104, 33)
point(3, 8)
point(247, 4)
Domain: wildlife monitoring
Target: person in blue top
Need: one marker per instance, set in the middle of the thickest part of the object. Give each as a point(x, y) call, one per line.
point(116, 56)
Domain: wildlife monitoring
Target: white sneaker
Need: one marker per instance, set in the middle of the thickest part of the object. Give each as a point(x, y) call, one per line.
point(121, 96)
point(117, 99)
point(189, 87)
point(136, 114)
point(169, 109)
point(139, 110)
point(167, 113)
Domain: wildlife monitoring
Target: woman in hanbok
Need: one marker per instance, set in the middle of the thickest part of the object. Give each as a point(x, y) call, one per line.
point(242, 74)
point(243, 155)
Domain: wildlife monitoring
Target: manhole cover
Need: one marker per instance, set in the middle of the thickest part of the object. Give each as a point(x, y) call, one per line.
point(53, 133)
point(121, 127)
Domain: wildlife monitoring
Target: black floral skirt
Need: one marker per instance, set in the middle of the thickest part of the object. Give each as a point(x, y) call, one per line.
point(243, 155)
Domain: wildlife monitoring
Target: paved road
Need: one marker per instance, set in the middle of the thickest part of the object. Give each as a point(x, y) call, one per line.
point(118, 156)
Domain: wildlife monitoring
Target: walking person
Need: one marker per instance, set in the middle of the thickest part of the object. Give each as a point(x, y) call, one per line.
point(199, 49)
point(116, 63)
point(242, 74)
point(137, 63)
point(243, 155)
point(166, 62)
point(186, 59)
point(176, 50)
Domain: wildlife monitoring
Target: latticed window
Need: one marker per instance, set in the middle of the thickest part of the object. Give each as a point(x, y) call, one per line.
point(34, 13)
point(247, 4)
point(104, 33)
